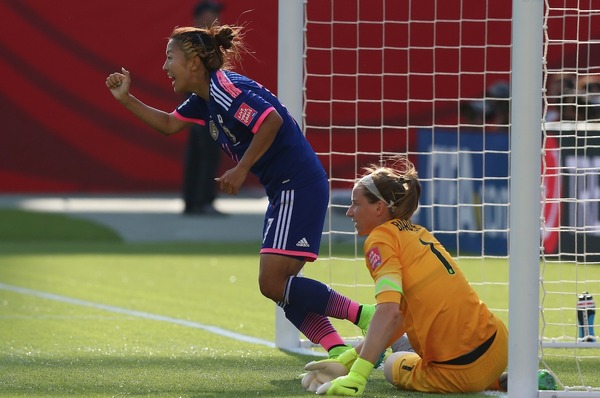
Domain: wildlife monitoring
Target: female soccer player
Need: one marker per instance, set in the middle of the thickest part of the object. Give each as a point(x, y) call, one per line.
point(258, 133)
point(460, 345)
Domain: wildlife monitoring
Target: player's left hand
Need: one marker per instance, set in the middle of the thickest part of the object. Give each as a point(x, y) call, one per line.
point(352, 385)
point(231, 181)
point(326, 370)
point(321, 372)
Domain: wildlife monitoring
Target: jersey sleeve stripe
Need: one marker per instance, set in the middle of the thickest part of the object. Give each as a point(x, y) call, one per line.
point(189, 119)
point(261, 118)
point(385, 284)
point(219, 96)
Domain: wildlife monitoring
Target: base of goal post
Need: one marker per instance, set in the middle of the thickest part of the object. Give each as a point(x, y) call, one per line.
point(568, 394)
point(569, 344)
point(287, 337)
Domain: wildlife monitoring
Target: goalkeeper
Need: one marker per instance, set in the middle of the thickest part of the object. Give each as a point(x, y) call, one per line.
point(460, 345)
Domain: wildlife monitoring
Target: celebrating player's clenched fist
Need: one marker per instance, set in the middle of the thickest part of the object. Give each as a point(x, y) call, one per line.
point(118, 83)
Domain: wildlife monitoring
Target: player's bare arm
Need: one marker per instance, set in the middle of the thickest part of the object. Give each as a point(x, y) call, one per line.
point(386, 320)
point(232, 179)
point(163, 122)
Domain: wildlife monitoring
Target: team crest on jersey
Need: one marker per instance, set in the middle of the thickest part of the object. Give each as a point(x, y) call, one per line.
point(214, 131)
point(374, 257)
point(245, 114)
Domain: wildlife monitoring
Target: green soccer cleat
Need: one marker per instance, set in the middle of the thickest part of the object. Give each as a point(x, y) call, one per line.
point(364, 320)
point(338, 350)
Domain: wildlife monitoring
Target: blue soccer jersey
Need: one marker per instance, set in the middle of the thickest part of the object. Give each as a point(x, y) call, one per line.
point(234, 113)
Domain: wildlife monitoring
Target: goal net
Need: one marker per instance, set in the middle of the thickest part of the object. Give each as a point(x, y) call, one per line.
point(570, 281)
point(432, 79)
point(427, 79)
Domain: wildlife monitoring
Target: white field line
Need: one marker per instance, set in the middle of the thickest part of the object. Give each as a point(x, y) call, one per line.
point(68, 317)
point(138, 314)
point(142, 204)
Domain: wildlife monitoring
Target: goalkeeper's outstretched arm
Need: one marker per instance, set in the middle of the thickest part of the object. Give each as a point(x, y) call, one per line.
point(386, 325)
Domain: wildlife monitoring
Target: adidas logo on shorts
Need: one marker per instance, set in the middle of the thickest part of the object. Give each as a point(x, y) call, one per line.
point(302, 243)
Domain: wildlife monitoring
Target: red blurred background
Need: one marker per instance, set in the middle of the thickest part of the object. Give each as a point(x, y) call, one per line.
point(63, 132)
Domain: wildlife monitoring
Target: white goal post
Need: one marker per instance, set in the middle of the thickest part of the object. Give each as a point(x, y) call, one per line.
point(525, 191)
point(290, 88)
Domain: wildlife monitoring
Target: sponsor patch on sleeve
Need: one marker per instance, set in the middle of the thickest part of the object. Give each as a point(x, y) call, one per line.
point(245, 114)
point(374, 257)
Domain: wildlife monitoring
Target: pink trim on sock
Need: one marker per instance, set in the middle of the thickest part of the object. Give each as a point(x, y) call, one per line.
point(331, 340)
point(353, 311)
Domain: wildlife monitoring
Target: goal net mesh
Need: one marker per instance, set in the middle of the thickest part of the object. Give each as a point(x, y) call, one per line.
point(431, 79)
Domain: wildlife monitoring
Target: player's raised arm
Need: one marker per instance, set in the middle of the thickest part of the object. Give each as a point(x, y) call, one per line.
point(163, 122)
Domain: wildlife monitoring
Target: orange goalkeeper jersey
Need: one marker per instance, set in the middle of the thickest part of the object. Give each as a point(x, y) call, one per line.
point(443, 316)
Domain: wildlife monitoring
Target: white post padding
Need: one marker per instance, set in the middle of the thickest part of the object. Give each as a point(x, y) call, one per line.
point(525, 194)
point(290, 83)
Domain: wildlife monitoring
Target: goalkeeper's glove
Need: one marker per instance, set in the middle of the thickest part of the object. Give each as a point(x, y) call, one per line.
point(352, 385)
point(321, 372)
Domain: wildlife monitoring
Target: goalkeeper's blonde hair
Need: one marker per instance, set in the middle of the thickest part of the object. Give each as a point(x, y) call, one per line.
point(396, 183)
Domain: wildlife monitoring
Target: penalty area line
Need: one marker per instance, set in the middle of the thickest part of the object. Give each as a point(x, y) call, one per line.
point(138, 314)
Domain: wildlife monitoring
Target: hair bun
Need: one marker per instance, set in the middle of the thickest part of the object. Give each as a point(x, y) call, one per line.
point(225, 37)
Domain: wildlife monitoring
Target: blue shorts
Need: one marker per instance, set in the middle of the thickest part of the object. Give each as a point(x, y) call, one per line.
point(294, 221)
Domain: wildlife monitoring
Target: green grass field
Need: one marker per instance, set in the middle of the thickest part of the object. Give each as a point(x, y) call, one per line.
point(84, 314)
